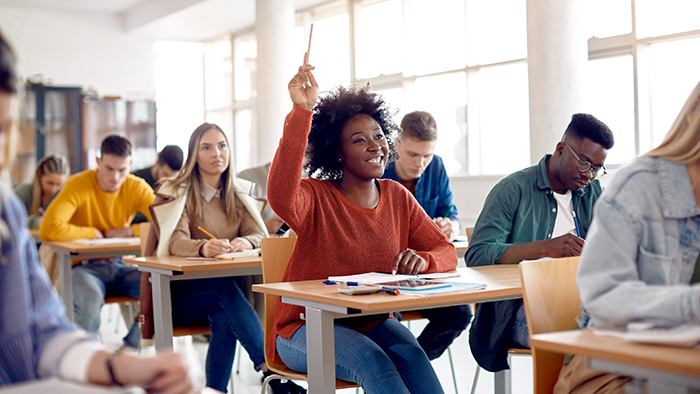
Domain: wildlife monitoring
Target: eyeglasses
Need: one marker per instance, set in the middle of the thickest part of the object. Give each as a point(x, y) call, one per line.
point(585, 165)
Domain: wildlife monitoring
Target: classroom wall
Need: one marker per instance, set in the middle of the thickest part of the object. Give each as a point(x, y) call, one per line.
point(81, 49)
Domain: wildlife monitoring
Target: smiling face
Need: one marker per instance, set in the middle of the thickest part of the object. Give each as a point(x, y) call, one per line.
point(566, 171)
point(51, 183)
point(112, 171)
point(212, 153)
point(414, 157)
point(364, 148)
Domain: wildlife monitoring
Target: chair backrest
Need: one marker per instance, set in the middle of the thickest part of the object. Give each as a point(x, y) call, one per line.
point(469, 231)
point(275, 255)
point(144, 229)
point(552, 303)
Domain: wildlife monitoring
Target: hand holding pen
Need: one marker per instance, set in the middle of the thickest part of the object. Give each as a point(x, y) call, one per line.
point(214, 246)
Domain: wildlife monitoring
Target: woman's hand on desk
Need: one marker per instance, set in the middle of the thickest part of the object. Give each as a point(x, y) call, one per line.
point(408, 262)
point(215, 247)
point(240, 244)
point(303, 88)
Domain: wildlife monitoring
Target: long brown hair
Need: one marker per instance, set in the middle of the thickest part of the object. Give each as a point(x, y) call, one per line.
point(50, 164)
point(189, 175)
point(682, 143)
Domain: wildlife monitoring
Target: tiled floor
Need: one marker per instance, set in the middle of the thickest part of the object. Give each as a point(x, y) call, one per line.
point(248, 381)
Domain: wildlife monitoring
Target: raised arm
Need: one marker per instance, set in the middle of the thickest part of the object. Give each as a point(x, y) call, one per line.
point(285, 194)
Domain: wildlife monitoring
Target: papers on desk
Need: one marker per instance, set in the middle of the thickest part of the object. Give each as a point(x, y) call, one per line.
point(108, 241)
point(378, 277)
point(372, 278)
point(245, 253)
point(683, 335)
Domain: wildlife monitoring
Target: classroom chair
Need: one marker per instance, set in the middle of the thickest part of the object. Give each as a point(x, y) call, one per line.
point(146, 316)
point(275, 255)
point(552, 303)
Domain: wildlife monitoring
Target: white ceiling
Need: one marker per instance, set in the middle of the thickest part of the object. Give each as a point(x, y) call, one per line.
point(167, 19)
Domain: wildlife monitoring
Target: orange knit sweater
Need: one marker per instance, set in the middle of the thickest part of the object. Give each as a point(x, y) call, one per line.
point(338, 237)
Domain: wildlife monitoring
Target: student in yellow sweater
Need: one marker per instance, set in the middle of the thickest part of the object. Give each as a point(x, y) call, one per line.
point(100, 203)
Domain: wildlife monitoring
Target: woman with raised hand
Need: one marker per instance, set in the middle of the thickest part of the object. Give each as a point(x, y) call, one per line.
point(206, 196)
point(348, 221)
point(51, 173)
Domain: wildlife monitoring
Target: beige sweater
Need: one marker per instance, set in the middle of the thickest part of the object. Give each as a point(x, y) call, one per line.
point(187, 240)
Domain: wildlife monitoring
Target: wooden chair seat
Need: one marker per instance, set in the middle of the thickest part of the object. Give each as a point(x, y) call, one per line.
point(275, 255)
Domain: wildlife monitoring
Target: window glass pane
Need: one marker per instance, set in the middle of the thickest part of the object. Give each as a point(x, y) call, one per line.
point(495, 35)
point(395, 98)
point(245, 54)
point(218, 68)
point(445, 97)
point(436, 36)
point(379, 56)
point(675, 70)
point(179, 88)
point(504, 119)
point(608, 18)
point(243, 147)
point(609, 96)
point(330, 51)
point(656, 17)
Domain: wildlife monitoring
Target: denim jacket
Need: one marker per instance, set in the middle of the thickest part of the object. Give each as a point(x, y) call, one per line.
point(641, 249)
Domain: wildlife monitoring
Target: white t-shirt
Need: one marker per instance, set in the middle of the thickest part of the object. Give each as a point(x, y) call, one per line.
point(565, 219)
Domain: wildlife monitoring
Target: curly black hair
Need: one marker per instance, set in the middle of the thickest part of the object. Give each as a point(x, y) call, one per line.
point(330, 114)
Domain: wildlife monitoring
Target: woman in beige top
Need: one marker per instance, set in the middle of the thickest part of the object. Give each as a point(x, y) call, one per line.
point(205, 194)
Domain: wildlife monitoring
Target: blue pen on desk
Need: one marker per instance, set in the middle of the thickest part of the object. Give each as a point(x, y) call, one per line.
point(352, 283)
point(329, 282)
point(578, 232)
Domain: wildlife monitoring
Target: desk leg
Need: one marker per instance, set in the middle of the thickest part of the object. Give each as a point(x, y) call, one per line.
point(320, 350)
point(162, 312)
point(65, 281)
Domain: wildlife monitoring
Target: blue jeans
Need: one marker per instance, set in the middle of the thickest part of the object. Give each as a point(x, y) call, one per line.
point(219, 302)
point(93, 280)
point(519, 336)
point(387, 360)
point(445, 324)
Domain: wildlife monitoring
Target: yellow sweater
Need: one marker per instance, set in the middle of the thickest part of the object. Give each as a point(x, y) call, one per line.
point(81, 207)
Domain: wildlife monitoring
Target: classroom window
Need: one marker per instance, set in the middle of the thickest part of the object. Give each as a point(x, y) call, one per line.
point(609, 96)
point(379, 39)
point(218, 74)
point(179, 91)
point(494, 34)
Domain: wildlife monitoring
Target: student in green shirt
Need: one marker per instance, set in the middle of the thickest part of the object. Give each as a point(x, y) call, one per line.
point(529, 215)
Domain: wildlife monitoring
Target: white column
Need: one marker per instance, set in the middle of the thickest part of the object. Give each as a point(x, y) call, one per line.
point(557, 52)
point(274, 27)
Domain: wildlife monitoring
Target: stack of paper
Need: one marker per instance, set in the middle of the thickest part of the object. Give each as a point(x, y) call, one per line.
point(372, 278)
point(683, 335)
point(108, 241)
point(245, 253)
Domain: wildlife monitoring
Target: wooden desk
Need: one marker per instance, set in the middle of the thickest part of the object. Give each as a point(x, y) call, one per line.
point(56, 386)
point(323, 303)
point(169, 268)
point(666, 369)
point(69, 250)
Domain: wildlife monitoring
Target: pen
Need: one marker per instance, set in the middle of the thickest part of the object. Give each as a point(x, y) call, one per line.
point(206, 232)
point(578, 233)
point(448, 212)
point(391, 291)
point(352, 284)
point(41, 211)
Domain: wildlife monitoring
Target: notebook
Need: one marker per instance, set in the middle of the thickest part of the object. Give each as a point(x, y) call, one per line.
point(682, 335)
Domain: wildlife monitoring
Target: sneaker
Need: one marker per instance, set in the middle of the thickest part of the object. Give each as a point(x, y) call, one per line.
point(288, 387)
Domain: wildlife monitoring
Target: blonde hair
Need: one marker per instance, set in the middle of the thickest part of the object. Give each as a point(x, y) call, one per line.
point(189, 176)
point(682, 143)
point(50, 164)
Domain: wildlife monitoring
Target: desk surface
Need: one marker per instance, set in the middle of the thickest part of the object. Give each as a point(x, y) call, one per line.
point(178, 263)
point(502, 281)
point(74, 247)
point(586, 343)
point(461, 246)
